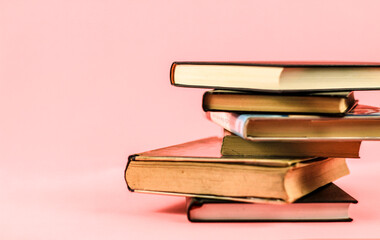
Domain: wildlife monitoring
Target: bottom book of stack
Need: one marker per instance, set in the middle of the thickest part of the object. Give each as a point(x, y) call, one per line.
point(326, 204)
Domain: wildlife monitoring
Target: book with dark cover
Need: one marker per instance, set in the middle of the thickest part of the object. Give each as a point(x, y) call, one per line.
point(197, 169)
point(362, 123)
point(326, 204)
point(330, 103)
point(277, 76)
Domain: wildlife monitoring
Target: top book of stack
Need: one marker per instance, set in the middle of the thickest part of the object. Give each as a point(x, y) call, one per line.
point(277, 76)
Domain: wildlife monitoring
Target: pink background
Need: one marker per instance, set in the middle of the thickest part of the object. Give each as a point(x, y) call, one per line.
point(83, 84)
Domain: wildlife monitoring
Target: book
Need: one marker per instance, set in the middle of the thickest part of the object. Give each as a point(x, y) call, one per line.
point(317, 103)
point(236, 146)
point(326, 204)
point(277, 76)
point(197, 169)
point(363, 123)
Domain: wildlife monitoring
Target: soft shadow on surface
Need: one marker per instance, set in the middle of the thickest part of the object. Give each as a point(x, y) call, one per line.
point(176, 208)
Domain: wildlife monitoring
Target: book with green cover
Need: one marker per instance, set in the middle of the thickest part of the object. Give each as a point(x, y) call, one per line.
point(236, 146)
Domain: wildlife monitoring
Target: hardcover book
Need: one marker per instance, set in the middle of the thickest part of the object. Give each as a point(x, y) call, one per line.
point(277, 76)
point(197, 169)
point(236, 146)
point(326, 204)
point(317, 103)
point(363, 123)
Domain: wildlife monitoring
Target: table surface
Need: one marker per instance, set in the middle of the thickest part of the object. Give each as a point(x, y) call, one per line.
point(97, 205)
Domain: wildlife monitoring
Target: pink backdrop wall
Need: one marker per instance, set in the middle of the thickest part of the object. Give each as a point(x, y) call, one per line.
point(83, 84)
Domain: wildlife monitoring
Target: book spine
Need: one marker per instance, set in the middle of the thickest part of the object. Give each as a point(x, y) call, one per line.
point(190, 204)
point(230, 121)
point(205, 106)
point(172, 69)
point(130, 158)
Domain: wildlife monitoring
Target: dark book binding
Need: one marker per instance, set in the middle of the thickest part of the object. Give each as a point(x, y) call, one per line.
point(329, 193)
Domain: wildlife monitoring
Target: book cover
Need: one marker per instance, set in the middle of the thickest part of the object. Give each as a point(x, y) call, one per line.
point(277, 76)
point(197, 169)
point(326, 204)
point(236, 146)
point(362, 123)
point(330, 103)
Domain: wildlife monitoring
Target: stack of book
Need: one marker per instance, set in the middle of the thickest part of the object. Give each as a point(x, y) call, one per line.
point(288, 129)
